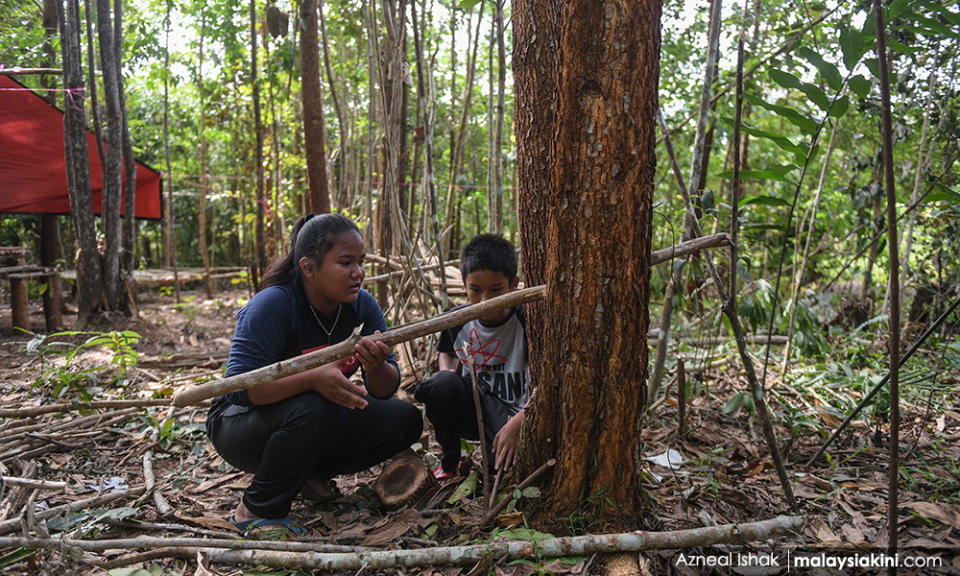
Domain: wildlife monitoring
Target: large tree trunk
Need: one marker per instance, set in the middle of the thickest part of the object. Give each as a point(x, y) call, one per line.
point(113, 167)
point(591, 359)
point(313, 127)
point(89, 280)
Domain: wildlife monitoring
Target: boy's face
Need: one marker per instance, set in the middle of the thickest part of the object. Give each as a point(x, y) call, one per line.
point(483, 285)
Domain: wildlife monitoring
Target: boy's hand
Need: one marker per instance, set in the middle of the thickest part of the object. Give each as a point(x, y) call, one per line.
point(506, 442)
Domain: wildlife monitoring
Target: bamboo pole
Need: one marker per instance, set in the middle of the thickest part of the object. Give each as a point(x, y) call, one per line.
point(510, 549)
point(247, 380)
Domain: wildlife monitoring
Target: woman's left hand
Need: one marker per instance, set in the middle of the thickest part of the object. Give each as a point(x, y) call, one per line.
point(372, 354)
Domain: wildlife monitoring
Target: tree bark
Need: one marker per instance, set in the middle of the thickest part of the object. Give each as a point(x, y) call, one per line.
point(170, 248)
point(50, 223)
point(312, 94)
point(338, 109)
point(128, 260)
point(592, 357)
point(202, 211)
point(495, 224)
point(261, 237)
point(113, 167)
point(89, 280)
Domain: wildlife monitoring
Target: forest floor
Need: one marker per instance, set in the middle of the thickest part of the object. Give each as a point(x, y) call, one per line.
point(724, 474)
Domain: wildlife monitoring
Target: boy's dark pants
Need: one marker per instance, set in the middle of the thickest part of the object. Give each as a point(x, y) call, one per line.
point(308, 437)
point(448, 398)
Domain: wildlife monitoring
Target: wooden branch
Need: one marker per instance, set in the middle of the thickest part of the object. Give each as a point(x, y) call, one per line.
point(247, 380)
point(23, 71)
point(32, 484)
point(398, 273)
point(148, 542)
point(98, 500)
point(689, 247)
point(71, 406)
point(510, 549)
point(492, 513)
point(163, 507)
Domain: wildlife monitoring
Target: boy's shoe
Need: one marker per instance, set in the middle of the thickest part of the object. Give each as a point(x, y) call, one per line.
point(440, 474)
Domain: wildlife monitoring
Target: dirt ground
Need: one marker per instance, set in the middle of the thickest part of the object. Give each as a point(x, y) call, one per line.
point(720, 470)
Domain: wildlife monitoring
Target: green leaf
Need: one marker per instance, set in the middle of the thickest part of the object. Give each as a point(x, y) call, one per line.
point(467, 4)
point(840, 106)
point(769, 174)
point(733, 404)
point(901, 48)
point(708, 202)
point(763, 201)
point(466, 488)
point(896, 9)
point(859, 85)
point(784, 79)
point(952, 17)
point(853, 47)
point(525, 534)
point(781, 141)
point(804, 123)
point(530, 492)
point(943, 194)
point(816, 95)
point(828, 71)
point(18, 555)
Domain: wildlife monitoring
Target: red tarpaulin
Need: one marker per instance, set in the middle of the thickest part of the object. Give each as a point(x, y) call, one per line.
point(33, 171)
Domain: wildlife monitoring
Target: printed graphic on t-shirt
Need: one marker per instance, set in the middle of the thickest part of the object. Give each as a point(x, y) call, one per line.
point(499, 357)
point(348, 365)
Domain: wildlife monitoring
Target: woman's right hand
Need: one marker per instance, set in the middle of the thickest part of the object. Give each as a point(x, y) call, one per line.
point(329, 382)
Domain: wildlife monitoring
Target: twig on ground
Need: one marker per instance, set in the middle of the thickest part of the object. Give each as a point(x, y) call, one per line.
point(98, 500)
point(492, 513)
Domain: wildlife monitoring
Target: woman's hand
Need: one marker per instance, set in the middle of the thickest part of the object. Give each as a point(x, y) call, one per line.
point(329, 382)
point(507, 441)
point(372, 354)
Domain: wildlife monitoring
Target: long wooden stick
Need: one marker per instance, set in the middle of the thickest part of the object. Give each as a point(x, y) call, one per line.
point(689, 247)
point(247, 380)
point(153, 542)
point(510, 549)
point(12, 524)
point(70, 406)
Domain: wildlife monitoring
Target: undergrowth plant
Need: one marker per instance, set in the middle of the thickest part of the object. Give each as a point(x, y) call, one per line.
point(59, 359)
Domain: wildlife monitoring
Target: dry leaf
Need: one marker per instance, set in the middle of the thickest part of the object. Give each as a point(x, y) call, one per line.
point(212, 522)
point(213, 483)
point(825, 534)
point(386, 534)
point(853, 535)
point(948, 514)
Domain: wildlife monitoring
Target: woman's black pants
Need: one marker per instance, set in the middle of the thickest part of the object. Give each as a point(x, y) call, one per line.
point(308, 437)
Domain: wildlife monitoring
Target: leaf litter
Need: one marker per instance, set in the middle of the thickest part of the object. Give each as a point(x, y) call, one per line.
point(718, 472)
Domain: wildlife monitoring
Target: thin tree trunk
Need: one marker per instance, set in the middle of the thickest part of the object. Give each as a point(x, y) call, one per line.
point(128, 262)
point(312, 94)
point(459, 145)
point(91, 68)
point(261, 238)
point(170, 249)
point(894, 283)
point(368, 10)
point(50, 223)
point(696, 171)
point(89, 280)
point(341, 123)
point(202, 216)
point(113, 167)
point(798, 273)
point(496, 212)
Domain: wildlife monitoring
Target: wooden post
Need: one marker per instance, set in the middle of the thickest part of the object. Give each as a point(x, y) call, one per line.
point(19, 302)
point(681, 398)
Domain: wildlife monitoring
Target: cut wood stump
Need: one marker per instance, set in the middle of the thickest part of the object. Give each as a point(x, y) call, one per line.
point(403, 481)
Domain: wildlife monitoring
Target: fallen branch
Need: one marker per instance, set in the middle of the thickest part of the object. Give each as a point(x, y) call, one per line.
point(492, 513)
point(163, 506)
point(100, 499)
point(510, 549)
point(689, 247)
point(247, 380)
point(154, 542)
point(32, 484)
point(71, 406)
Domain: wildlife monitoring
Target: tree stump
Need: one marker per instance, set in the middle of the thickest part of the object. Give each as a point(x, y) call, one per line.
point(403, 481)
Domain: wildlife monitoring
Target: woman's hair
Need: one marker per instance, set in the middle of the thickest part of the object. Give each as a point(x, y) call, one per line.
point(312, 236)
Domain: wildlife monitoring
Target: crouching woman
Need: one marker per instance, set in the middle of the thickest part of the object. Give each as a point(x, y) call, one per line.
point(297, 432)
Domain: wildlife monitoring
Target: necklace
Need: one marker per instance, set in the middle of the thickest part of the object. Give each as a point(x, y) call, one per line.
point(335, 320)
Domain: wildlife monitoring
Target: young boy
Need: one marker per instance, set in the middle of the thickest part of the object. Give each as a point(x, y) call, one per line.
point(498, 344)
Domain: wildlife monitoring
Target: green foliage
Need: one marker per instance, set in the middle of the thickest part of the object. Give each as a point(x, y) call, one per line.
point(583, 520)
point(59, 359)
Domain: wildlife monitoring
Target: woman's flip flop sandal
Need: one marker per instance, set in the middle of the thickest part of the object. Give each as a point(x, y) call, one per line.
point(248, 528)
